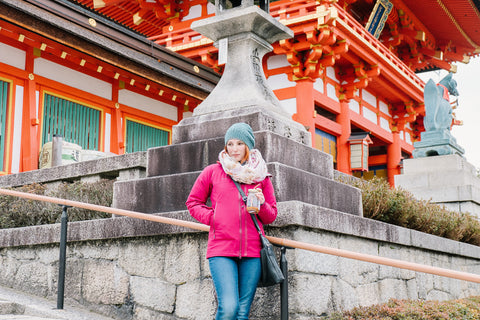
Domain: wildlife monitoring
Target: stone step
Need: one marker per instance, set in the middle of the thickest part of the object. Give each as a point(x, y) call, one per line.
point(7, 307)
point(169, 193)
point(23, 317)
point(20, 305)
point(196, 155)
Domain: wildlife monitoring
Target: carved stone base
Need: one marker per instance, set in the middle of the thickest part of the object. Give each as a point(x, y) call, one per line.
point(214, 125)
point(437, 143)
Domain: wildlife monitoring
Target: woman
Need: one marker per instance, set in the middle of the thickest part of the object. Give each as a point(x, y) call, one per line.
point(233, 249)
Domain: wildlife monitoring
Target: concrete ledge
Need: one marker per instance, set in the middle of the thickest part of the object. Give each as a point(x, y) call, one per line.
point(451, 178)
point(438, 164)
point(444, 194)
point(291, 214)
point(111, 228)
point(307, 215)
point(106, 167)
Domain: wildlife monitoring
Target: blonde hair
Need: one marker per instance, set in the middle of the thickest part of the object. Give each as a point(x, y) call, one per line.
point(247, 154)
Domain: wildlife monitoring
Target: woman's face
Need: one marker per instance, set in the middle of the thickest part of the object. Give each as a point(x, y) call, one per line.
point(236, 149)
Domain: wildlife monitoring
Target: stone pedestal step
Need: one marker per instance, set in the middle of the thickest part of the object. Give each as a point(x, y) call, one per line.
point(169, 193)
point(214, 125)
point(196, 155)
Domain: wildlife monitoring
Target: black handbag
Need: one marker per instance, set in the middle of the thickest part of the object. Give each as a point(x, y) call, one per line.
point(271, 272)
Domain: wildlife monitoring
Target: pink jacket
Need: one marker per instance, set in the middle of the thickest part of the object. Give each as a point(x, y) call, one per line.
point(232, 232)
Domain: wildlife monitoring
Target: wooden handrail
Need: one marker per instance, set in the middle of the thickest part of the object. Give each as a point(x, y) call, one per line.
point(120, 212)
point(279, 241)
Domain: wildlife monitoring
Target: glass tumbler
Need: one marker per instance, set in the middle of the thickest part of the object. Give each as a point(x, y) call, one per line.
point(253, 203)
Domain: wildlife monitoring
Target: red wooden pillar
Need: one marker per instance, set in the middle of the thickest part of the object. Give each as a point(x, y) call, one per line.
point(305, 106)
point(394, 156)
point(343, 150)
point(117, 143)
point(30, 122)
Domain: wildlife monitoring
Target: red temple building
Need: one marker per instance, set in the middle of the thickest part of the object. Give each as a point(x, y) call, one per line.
point(349, 75)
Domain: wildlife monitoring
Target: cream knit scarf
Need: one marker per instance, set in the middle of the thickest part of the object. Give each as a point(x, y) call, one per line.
point(253, 171)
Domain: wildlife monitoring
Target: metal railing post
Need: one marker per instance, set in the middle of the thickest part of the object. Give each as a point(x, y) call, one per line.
point(62, 258)
point(284, 285)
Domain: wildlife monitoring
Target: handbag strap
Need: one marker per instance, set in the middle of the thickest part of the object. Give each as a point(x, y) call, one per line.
point(244, 198)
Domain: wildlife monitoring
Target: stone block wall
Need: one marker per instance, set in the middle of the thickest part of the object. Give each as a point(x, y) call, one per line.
point(120, 168)
point(139, 270)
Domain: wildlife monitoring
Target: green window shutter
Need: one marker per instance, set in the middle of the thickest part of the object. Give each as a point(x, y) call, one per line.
point(76, 123)
point(140, 137)
point(4, 86)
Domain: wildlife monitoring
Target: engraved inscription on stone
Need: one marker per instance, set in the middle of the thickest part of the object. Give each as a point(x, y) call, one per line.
point(303, 139)
point(258, 73)
point(271, 125)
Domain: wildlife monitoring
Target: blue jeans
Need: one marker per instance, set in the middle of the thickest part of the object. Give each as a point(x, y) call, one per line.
point(235, 282)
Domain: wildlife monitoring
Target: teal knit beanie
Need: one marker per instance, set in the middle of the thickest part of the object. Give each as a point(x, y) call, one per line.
point(241, 131)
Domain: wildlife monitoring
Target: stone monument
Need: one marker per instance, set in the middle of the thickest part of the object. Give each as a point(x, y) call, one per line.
point(439, 172)
point(300, 174)
point(243, 35)
point(437, 138)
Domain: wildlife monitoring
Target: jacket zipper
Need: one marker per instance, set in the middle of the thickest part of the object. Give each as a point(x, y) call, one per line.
point(240, 224)
point(213, 222)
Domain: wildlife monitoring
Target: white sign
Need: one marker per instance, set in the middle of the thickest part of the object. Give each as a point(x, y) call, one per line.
point(222, 51)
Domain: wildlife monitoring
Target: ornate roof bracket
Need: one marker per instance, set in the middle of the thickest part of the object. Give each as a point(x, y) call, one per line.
point(322, 35)
point(312, 52)
point(456, 57)
point(410, 19)
point(442, 64)
point(353, 79)
point(162, 9)
point(403, 113)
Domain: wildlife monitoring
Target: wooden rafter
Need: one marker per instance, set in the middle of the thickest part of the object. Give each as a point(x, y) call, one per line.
point(97, 4)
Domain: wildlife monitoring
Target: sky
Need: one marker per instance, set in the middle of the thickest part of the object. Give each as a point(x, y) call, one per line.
point(468, 110)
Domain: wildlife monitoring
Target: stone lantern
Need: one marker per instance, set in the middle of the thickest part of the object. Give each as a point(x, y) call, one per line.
point(243, 33)
point(359, 151)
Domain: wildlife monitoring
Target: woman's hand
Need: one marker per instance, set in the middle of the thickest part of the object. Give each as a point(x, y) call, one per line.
point(260, 196)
